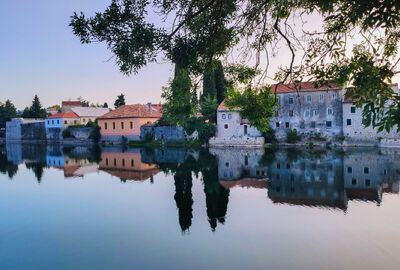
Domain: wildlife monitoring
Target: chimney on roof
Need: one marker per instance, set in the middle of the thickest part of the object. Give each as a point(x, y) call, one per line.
point(149, 105)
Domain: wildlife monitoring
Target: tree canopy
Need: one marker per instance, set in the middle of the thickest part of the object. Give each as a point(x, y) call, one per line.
point(355, 46)
point(120, 101)
point(35, 110)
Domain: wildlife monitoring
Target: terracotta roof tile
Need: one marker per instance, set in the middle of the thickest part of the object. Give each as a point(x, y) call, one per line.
point(303, 87)
point(68, 114)
point(71, 103)
point(133, 111)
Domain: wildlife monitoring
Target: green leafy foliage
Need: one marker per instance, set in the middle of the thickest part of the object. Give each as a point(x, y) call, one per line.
point(205, 129)
point(120, 101)
point(292, 136)
point(7, 111)
point(180, 99)
point(208, 108)
point(254, 104)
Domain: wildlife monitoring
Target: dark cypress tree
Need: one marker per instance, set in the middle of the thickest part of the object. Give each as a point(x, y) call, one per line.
point(220, 82)
point(209, 89)
point(36, 110)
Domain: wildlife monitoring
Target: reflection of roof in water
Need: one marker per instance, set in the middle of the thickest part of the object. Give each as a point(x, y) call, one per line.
point(310, 202)
point(363, 194)
point(244, 183)
point(132, 175)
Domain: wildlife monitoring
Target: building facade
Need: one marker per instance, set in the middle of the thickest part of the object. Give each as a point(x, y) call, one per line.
point(355, 132)
point(313, 111)
point(233, 130)
point(125, 122)
point(19, 129)
point(55, 124)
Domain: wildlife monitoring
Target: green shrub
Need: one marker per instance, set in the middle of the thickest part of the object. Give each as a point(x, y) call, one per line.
point(292, 136)
point(67, 134)
point(270, 135)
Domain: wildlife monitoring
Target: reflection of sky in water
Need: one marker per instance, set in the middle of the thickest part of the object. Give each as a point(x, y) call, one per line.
point(82, 216)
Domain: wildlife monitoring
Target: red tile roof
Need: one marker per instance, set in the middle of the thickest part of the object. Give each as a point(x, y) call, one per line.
point(223, 107)
point(71, 103)
point(303, 87)
point(68, 114)
point(133, 111)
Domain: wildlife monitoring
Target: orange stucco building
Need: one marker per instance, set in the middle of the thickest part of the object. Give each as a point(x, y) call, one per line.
point(126, 121)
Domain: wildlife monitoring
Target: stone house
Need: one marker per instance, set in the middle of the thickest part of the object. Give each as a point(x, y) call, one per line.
point(233, 130)
point(19, 129)
point(125, 122)
point(162, 133)
point(309, 109)
point(355, 132)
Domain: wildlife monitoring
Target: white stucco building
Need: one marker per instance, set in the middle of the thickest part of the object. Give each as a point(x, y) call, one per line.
point(233, 130)
point(355, 133)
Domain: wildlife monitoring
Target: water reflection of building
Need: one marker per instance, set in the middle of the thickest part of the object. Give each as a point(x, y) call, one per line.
point(369, 174)
point(74, 162)
point(302, 179)
point(240, 167)
point(126, 165)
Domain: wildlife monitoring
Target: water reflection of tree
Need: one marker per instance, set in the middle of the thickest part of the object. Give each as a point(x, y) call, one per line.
point(183, 194)
point(217, 197)
point(7, 167)
point(37, 168)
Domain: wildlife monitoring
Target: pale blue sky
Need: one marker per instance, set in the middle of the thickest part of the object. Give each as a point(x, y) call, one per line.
point(40, 55)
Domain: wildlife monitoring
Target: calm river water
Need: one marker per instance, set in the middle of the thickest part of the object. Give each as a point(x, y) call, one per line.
point(115, 208)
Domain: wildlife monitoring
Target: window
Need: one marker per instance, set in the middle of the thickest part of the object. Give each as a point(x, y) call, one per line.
point(227, 164)
point(315, 112)
point(113, 125)
point(334, 95)
point(366, 170)
point(329, 111)
point(84, 120)
point(291, 113)
point(106, 161)
point(349, 170)
point(277, 124)
point(353, 109)
point(328, 123)
point(52, 122)
point(246, 160)
point(115, 162)
point(278, 165)
point(276, 114)
point(312, 124)
point(131, 123)
point(229, 116)
point(287, 124)
point(302, 125)
point(348, 121)
point(65, 122)
point(223, 116)
point(321, 97)
point(105, 125)
point(58, 121)
point(307, 113)
point(291, 101)
point(308, 98)
point(123, 162)
point(226, 126)
point(75, 122)
point(132, 163)
point(367, 182)
point(48, 122)
point(122, 125)
point(287, 166)
point(354, 181)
